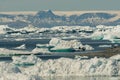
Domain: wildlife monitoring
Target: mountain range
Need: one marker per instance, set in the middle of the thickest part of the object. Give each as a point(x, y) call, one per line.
point(49, 19)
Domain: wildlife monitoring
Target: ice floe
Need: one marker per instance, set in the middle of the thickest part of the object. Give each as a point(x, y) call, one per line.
point(3, 29)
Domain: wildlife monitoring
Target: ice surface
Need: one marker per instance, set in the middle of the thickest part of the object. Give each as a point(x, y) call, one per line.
point(71, 67)
point(59, 67)
point(8, 71)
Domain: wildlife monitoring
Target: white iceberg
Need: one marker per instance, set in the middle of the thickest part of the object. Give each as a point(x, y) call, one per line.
point(64, 44)
point(21, 47)
point(41, 50)
point(3, 29)
point(107, 33)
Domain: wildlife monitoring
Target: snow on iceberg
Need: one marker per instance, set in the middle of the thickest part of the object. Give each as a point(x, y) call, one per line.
point(11, 52)
point(21, 47)
point(74, 67)
point(59, 67)
point(97, 35)
point(107, 33)
point(3, 29)
point(41, 50)
point(8, 71)
point(25, 60)
point(64, 44)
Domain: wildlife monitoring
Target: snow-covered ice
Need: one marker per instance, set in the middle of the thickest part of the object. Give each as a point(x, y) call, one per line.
point(64, 66)
point(42, 50)
point(59, 67)
point(107, 33)
point(63, 44)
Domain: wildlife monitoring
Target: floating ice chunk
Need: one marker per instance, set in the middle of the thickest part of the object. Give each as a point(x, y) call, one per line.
point(21, 47)
point(29, 28)
point(25, 60)
point(88, 47)
point(20, 39)
point(3, 29)
point(54, 41)
point(115, 40)
point(63, 44)
point(107, 33)
point(41, 50)
point(105, 46)
point(97, 35)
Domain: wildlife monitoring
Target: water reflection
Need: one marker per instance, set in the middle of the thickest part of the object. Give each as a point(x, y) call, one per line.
point(81, 78)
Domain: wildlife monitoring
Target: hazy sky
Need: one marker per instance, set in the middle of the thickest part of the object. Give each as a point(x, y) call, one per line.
point(59, 5)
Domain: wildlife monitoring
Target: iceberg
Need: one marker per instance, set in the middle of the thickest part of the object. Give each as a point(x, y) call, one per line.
point(97, 35)
point(71, 45)
point(107, 33)
point(3, 29)
point(21, 47)
point(41, 50)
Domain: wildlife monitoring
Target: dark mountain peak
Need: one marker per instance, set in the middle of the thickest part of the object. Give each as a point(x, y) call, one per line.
point(50, 12)
point(46, 14)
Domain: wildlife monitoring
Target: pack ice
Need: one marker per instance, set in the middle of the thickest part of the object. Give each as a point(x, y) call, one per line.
point(59, 67)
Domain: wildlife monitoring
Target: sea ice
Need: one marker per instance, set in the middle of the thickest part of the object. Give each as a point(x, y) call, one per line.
point(59, 67)
point(73, 67)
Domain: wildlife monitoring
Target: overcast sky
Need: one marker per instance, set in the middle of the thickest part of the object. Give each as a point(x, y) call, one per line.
point(58, 5)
